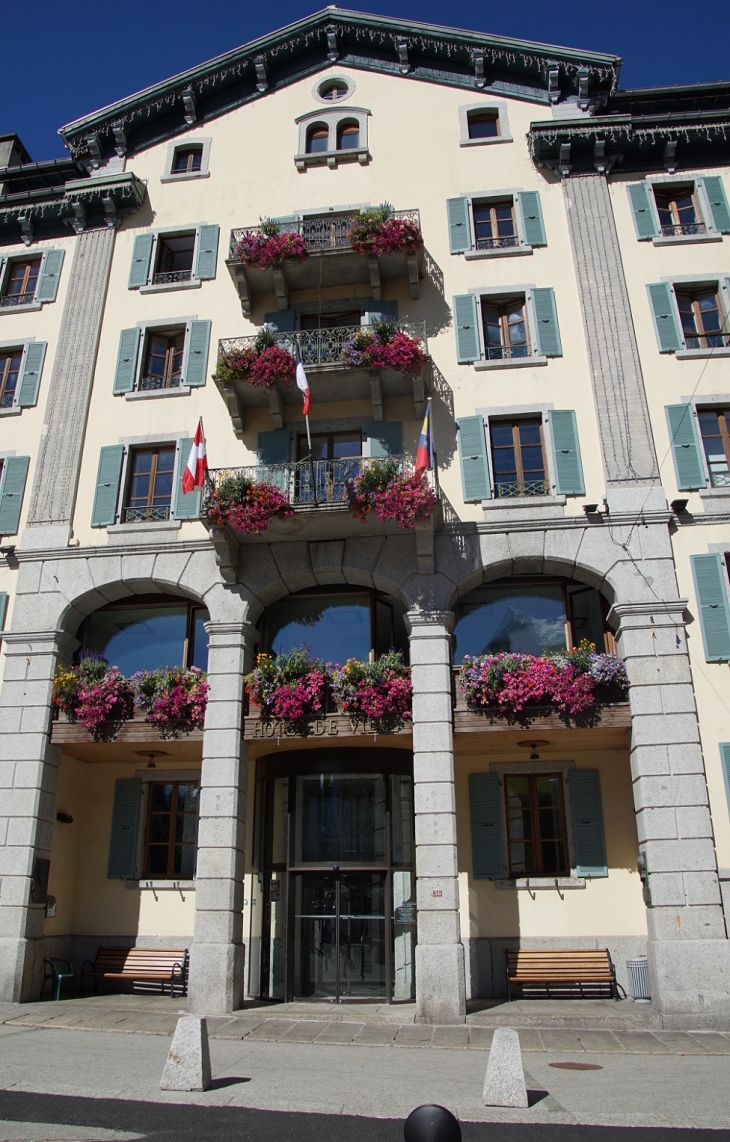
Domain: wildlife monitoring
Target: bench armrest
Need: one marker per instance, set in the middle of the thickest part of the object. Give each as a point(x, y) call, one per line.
point(91, 965)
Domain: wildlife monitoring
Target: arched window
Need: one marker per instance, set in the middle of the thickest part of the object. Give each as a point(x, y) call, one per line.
point(149, 632)
point(335, 624)
point(529, 615)
point(348, 136)
point(318, 139)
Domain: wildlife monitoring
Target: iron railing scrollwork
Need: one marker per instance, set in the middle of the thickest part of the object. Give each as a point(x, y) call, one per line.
point(146, 515)
point(505, 490)
point(323, 232)
point(683, 228)
point(172, 278)
point(322, 346)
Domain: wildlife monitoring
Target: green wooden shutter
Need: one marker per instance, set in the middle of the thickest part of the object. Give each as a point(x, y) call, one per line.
point(206, 252)
point(458, 210)
point(282, 320)
point(273, 447)
point(546, 323)
point(685, 447)
point(385, 438)
point(125, 825)
point(486, 826)
point(3, 608)
point(714, 614)
point(109, 473)
point(374, 311)
point(668, 333)
point(641, 197)
point(185, 505)
point(48, 279)
point(725, 758)
point(139, 271)
point(467, 330)
point(30, 373)
point(717, 200)
point(12, 486)
point(197, 344)
point(566, 453)
point(125, 373)
point(588, 839)
point(472, 443)
point(533, 226)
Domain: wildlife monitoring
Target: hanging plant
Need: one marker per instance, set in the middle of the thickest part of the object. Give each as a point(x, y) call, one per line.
point(264, 364)
point(173, 698)
point(92, 693)
point(293, 687)
point(377, 232)
point(392, 496)
point(384, 346)
point(247, 505)
point(270, 246)
point(377, 692)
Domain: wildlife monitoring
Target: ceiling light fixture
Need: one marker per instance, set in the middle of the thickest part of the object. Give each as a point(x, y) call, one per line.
point(533, 745)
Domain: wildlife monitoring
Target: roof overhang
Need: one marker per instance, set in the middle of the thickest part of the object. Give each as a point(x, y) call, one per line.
point(81, 204)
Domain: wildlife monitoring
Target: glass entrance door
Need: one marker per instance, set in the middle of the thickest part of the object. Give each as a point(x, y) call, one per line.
point(339, 935)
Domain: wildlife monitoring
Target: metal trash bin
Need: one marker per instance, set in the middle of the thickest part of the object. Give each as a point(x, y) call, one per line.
point(638, 970)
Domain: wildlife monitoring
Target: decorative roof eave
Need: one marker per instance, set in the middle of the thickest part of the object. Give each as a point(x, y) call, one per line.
point(85, 204)
point(250, 71)
point(645, 142)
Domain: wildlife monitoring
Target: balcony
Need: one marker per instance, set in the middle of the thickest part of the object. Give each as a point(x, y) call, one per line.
point(331, 378)
point(330, 261)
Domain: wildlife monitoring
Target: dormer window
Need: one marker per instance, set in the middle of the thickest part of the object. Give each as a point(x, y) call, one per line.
point(331, 137)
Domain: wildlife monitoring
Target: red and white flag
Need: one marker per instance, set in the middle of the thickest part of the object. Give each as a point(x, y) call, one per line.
point(197, 465)
point(302, 382)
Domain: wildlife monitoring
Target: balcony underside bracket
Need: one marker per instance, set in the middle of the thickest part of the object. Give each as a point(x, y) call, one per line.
point(375, 286)
point(413, 275)
point(276, 407)
point(225, 550)
point(281, 287)
point(419, 396)
point(376, 396)
point(243, 293)
point(425, 530)
point(234, 406)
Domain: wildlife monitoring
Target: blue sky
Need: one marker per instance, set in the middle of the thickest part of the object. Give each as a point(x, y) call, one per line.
point(70, 61)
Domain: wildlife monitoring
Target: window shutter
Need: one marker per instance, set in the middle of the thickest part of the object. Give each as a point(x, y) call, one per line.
point(472, 442)
point(374, 311)
point(30, 373)
point(47, 287)
point(641, 197)
point(125, 824)
point(717, 200)
point(125, 373)
point(685, 447)
point(566, 453)
point(725, 758)
point(467, 332)
point(588, 840)
point(664, 310)
point(533, 226)
point(139, 271)
point(385, 438)
point(185, 505)
point(206, 252)
point(282, 320)
point(273, 447)
point(197, 343)
point(3, 608)
point(12, 486)
point(459, 224)
point(104, 512)
point(714, 614)
point(546, 322)
point(486, 826)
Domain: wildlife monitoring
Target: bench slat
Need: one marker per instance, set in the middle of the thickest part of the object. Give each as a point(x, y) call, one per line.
point(576, 966)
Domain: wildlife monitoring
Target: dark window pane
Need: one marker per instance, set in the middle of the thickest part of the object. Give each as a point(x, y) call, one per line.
point(524, 619)
point(349, 138)
point(160, 797)
point(187, 798)
point(159, 828)
point(199, 656)
point(484, 126)
point(139, 638)
point(156, 860)
point(187, 861)
point(334, 628)
point(318, 141)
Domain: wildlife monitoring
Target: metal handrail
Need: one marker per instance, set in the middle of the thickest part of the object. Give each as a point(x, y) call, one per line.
point(508, 490)
point(322, 346)
point(325, 232)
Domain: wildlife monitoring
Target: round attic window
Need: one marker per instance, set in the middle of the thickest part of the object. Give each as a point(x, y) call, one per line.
point(334, 89)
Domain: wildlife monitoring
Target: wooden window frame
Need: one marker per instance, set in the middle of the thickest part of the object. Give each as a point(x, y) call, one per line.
point(155, 603)
point(191, 151)
point(149, 508)
point(29, 264)
point(496, 242)
point(702, 335)
point(536, 837)
point(665, 198)
point(722, 416)
point(5, 371)
point(169, 376)
point(505, 347)
point(350, 126)
point(317, 131)
point(515, 424)
point(170, 874)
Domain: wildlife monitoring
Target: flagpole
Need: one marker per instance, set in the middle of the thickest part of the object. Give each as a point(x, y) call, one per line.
point(309, 435)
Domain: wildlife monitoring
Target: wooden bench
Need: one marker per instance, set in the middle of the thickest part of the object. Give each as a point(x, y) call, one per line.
point(162, 965)
point(590, 970)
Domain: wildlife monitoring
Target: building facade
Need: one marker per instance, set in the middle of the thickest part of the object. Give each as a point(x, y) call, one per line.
point(576, 252)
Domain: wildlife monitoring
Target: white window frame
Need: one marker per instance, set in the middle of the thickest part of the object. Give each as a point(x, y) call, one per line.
point(495, 105)
point(490, 196)
point(507, 293)
point(332, 117)
point(5, 262)
point(180, 145)
point(172, 232)
point(666, 182)
point(325, 82)
point(700, 281)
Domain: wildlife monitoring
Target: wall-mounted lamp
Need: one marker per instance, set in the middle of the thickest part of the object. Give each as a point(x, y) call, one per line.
point(8, 550)
point(151, 754)
point(65, 818)
point(590, 509)
point(679, 506)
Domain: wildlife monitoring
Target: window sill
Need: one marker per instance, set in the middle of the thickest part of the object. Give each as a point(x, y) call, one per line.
point(162, 885)
point(14, 411)
point(171, 286)
point(510, 502)
point(149, 394)
point(187, 176)
point(144, 528)
point(509, 252)
point(542, 883)
point(31, 307)
point(715, 499)
point(512, 363)
point(485, 142)
point(699, 354)
point(332, 158)
point(682, 239)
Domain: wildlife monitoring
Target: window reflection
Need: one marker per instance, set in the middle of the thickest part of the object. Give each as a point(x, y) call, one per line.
point(147, 637)
point(335, 627)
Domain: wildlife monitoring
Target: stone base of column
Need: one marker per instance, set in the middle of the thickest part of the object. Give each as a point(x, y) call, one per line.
point(20, 969)
point(440, 983)
point(216, 978)
point(691, 977)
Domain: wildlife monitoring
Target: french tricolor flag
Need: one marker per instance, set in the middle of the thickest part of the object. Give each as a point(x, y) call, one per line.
point(424, 455)
point(302, 382)
point(197, 465)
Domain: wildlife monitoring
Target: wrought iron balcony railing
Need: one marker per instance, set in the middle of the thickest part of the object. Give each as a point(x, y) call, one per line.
point(683, 228)
point(172, 278)
point(325, 232)
point(146, 515)
point(497, 243)
point(322, 346)
point(507, 352)
point(13, 299)
point(150, 384)
point(509, 490)
point(719, 479)
point(706, 340)
point(305, 483)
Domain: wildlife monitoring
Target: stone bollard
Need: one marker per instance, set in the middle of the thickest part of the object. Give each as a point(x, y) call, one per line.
point(188, 1060)
point(504, 1084)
